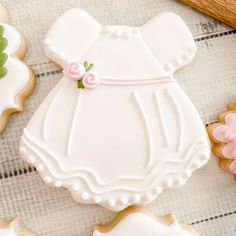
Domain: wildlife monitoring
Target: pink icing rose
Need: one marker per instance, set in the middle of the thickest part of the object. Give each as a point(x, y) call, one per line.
point(74, 71)
point(227, 133)
point(90, 79)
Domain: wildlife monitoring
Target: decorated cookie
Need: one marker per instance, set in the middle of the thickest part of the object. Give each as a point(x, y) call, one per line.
point(117, 129)
point(14, 228)
point(223, 136)
point(139, 222)
point(16, 79)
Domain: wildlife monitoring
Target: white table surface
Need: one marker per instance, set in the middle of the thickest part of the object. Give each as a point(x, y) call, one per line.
point(207, 200)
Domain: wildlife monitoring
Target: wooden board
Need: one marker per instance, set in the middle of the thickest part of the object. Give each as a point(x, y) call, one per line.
point(223, 10)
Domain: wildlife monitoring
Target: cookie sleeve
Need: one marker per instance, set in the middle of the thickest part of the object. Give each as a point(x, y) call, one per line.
point(71, 35)
point(169, 40)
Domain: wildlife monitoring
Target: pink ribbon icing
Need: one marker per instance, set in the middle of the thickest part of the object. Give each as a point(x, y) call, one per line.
point(226, 133)
point(91, 79)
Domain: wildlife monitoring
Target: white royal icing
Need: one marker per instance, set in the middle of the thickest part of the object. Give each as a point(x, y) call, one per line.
point(7, 232)
point(117, 145)
point(17, 75)
point(140, 224)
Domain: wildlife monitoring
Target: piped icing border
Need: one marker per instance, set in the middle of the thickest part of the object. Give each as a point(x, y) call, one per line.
point(178, 62)
point(85, 188)
point(175, 63)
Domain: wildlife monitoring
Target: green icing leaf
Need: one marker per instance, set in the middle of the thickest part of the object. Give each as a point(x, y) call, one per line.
point(90, 66)
point(86, 64)
point(3, 71)
point(3, 58)
point(1, 30)
point(3, 44)
point(80, 84)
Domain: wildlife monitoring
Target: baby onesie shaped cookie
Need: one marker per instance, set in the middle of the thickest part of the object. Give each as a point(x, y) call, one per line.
point(14, 228)
point(139, 222)
point(16, 79)
point(117, 129)
point(223, 136)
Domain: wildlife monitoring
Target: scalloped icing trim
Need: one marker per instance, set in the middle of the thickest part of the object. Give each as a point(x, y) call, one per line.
point(82, 191)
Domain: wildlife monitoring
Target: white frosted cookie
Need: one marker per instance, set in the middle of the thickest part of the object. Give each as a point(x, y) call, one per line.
point(117, 129)
point(139, 222)
point(16, 79)
point(14, 228)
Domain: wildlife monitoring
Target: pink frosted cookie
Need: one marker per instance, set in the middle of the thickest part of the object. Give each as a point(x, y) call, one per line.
point(223, 137)
point(16, 79)
point(139, 222)
point(117, 129)
point(14, 228)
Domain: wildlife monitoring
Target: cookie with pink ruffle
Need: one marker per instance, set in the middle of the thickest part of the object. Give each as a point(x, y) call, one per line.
point(223, 136)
